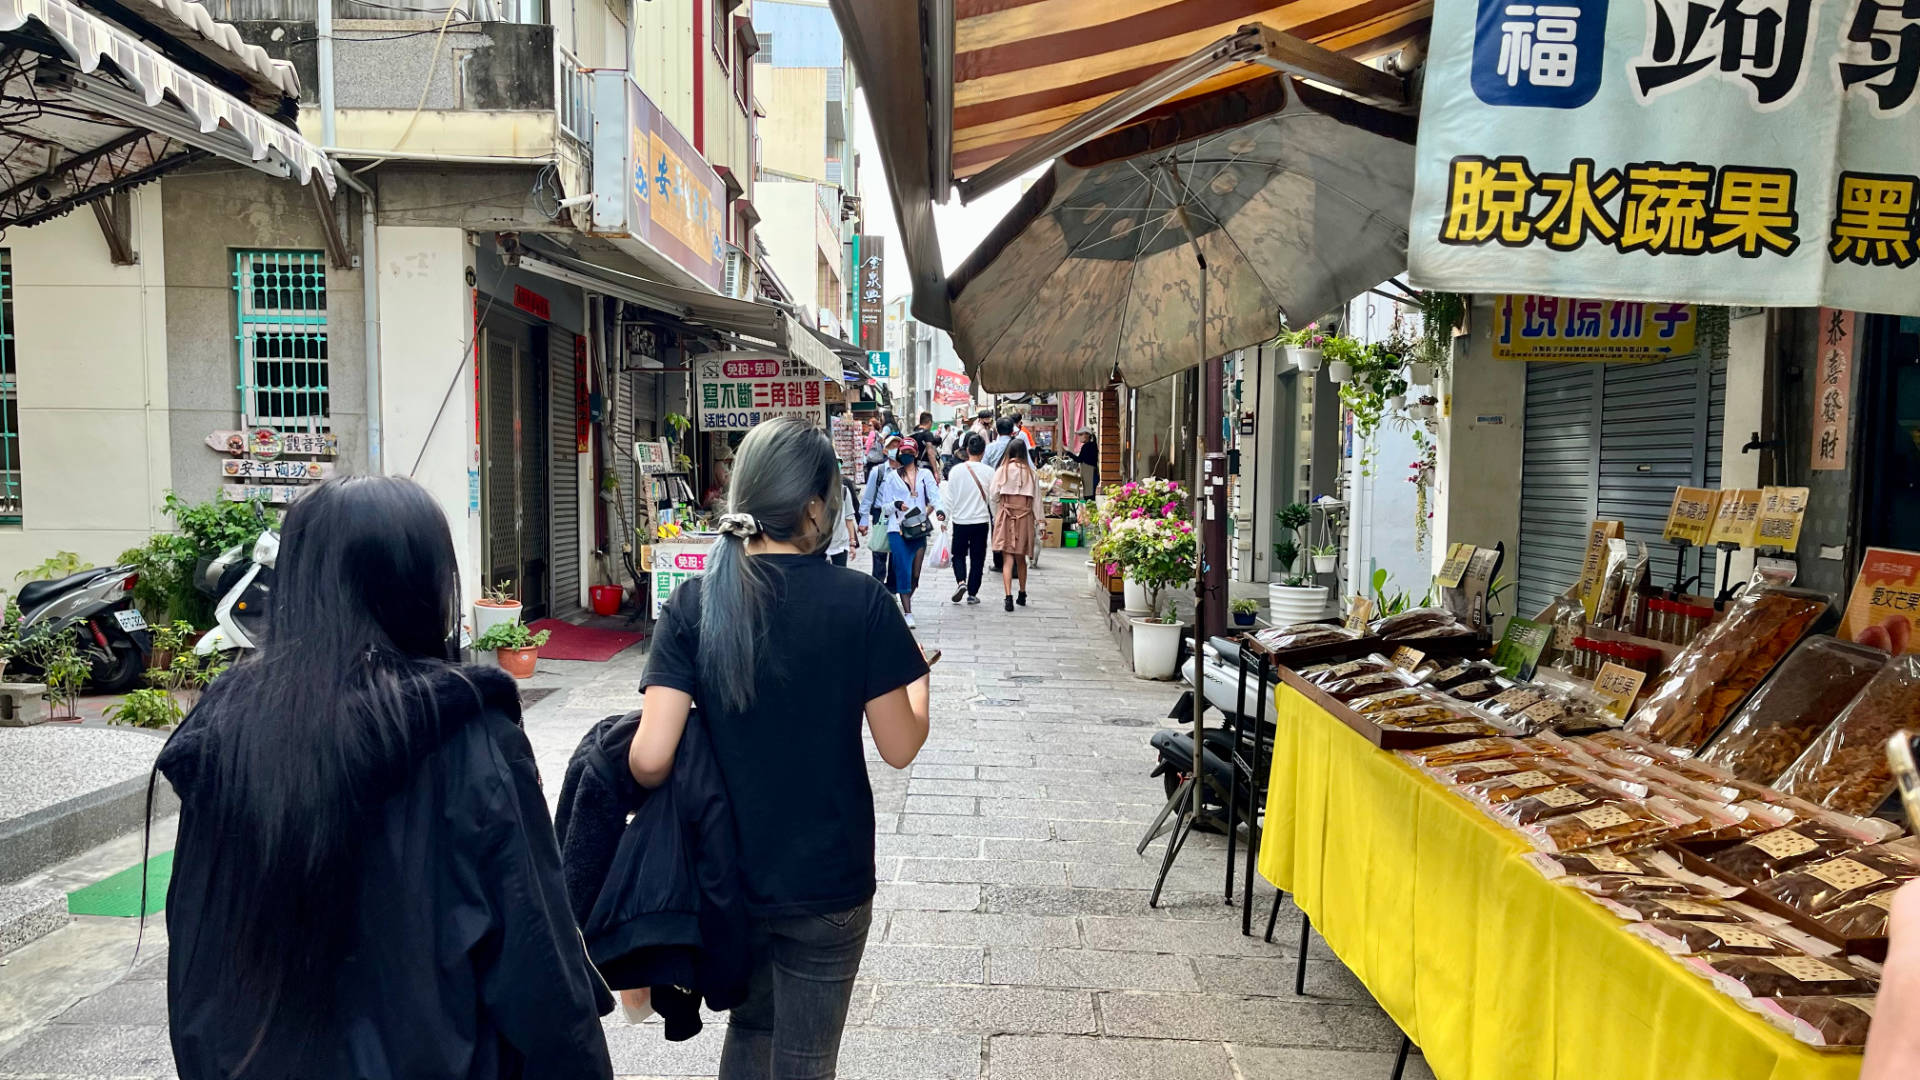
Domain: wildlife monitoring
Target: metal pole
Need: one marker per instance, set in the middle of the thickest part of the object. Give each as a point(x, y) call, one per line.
point(1213, 569)
point(1201, 505)
point(324, 31)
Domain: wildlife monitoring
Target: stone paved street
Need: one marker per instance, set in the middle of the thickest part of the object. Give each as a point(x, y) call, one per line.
point(1012, 938)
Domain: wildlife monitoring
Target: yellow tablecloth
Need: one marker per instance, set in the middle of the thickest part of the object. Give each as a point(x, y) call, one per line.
point(1495, 972)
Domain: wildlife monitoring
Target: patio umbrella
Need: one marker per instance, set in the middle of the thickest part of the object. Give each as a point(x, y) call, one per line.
point(1292, 198)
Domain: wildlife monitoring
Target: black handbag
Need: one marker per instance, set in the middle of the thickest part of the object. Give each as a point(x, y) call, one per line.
point(914, 524)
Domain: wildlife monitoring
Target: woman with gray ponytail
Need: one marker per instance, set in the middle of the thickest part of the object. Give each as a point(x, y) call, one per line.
point(750, 642)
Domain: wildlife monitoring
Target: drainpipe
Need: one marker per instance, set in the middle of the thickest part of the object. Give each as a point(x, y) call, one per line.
point(325, 49)
point(370, 305)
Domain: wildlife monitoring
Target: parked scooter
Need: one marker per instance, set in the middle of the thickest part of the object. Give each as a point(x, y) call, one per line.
point(96, 607)
point(241, 579)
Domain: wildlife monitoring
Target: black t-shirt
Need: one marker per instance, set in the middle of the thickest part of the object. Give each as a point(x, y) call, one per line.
point(794, 763)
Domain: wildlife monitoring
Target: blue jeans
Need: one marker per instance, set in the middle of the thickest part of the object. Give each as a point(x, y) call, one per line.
point(789, 1027)
point(906, 562)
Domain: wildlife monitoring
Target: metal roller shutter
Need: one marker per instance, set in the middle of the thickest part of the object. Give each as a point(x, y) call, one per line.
point(1612, 441)
point(623, 464)
point(564, 472)
point(503, 555)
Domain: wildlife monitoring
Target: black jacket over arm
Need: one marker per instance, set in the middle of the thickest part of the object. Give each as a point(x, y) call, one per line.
point(658, 898)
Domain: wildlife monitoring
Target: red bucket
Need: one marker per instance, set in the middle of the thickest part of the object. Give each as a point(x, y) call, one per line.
point(606, 599)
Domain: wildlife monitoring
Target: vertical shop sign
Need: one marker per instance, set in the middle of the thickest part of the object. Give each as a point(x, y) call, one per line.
point(1833, 388)
point(871, 290)
point(582, 397)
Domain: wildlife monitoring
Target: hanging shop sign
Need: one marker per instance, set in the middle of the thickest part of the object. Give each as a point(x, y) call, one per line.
point(739, 390)
point(1885, 602)
point(652, 458)
point(951, 388)
point(1750, 152)
point(1533, 327)
point(1833, 381)
point(650, 185)
point(274, 494)
point(871, 276)
point(267, 444)
point(531, 302)
point(880, 363)
point(289, 469)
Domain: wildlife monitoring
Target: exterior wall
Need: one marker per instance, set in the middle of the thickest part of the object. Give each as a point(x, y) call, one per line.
point(662, 61)
point(90, 345)
point(804, 33)
point(788, 212)
point(1745, 415)
point(729, 125)
point(1477, 493)
point(210, 216)
point(426, 339)
point(793, 140)
point(1385, 509)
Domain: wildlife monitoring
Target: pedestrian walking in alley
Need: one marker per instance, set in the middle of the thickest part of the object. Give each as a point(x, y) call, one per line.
point(1003, 437)
point(846, 536)
point(1015, 491)
point(970, 509)
point(873, 512)
point(786, 740)
point(1088, 459)
point(912, 500)
point(365, 880)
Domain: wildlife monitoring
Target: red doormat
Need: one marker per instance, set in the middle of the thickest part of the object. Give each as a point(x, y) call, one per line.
point(570, 642)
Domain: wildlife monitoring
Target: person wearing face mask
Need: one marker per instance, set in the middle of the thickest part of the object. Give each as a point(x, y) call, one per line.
point(912, 500)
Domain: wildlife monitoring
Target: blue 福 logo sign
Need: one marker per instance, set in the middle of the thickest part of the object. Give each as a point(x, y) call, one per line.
point(1543, 55)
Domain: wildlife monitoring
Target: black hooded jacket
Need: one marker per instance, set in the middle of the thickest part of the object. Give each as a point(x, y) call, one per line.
point(465, 962)
point(659, 897)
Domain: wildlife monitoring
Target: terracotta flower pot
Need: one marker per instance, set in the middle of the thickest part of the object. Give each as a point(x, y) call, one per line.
point(517, 662)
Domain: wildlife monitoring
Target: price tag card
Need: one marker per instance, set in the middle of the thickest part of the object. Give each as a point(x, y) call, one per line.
point(1807, 969)
point(1454, 570)
point(1406, 659)
point(1738, 519)
point(1620, 686)
point(1691, 516)
point(1358, 613)
point(1590, 568)
point(1845, 874)
point(1782, 509)
point(1782, 844)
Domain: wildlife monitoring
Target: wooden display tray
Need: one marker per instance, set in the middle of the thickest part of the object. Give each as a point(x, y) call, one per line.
point(1384, 738)
point(1692, 855)
point(1305, 655)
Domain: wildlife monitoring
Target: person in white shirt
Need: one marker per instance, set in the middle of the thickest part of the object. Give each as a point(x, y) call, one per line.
point(843, 537)
point(970, 509)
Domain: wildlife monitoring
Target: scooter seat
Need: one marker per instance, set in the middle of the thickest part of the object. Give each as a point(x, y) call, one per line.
point(1176, 749)
point(33, 593)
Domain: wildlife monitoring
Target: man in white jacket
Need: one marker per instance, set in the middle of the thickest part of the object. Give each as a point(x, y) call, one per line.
point(970, 509)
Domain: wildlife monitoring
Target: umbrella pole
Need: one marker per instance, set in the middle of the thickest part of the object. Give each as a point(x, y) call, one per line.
point(1202, 512)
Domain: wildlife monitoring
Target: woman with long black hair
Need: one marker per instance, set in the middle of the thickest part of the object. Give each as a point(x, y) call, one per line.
point(751, 641)
point(906, 488)
point(365, 882)
point(1016, 493)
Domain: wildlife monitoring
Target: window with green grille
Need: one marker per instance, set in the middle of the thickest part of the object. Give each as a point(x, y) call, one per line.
point(281, 298)
point(9, 401)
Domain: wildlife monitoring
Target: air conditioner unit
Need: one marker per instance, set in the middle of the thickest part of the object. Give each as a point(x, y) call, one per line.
point(735, 277)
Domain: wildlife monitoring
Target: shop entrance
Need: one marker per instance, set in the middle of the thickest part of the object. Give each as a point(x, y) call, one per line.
point(513, 460)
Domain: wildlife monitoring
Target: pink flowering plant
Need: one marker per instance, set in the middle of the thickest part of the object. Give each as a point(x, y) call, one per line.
point(1125, 510)
point(1159, 553)
point(1305, 337)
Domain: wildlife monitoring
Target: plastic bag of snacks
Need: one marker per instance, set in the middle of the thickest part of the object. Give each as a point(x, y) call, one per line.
point(1303, 635)
point(1610, 823)
point(1421, 624)
point(1863, 918)
point(1769, 855)
point(1713, 674)
point(1636, 886)
point(1322, 674)
point(1525, 808)
point(1462, 672)
point(1793, 707)
point(1368, 685)
point(1543, 776)
point(1845, 769)
point(1823, 887)
point(1836, 1022)
point(1554, 866)
point(1683, 937)
point(1784, 976)
point(1395, 699)
point(1688, 908)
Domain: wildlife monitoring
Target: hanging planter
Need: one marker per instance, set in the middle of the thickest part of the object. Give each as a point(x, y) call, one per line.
point(1422, 411)
point(1304, 358)
point(1397, 403)
point(1339, 371)
point(1326, 564)
point(1420, 373)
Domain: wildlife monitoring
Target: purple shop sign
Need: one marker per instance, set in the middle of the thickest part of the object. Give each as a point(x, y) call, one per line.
point(651, 185)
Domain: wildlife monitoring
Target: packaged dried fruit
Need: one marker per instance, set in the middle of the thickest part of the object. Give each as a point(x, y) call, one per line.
point(1475, 771)
point(1461, 753)
point(1688, 908)
point(1824, 887)
point(1609, 823)
point(1321, 674)
point(1784, 976)
point(1831, 1022)
point(1639, 886)
point(1845, 768)
point(1683, 937)
point(1302, 635)
point(1793, 707)
point(1771, 854)
point(1863, 918)
point(1554, 866)
point(1359, 686)
point(1558, 801)
point(1393, 699)
point(1420, 623)
point(1709, 679)
point(1541, 776)
point(1461, 672)
point(1478, 690)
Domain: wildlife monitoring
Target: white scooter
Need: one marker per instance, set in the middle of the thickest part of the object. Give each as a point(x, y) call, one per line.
point(243, 582)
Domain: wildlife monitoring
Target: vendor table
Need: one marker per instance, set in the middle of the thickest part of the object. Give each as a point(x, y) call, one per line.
point(1493, 971)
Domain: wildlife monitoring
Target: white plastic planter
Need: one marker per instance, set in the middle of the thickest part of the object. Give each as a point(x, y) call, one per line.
point(1420, 373)
point(1304, 358)
point(1339, 371)
point(1325, 564)
point(1397, 403)
point(1135, 597)
point(1155, 647)
point(486, 614)
point(1423, 411)
point(1289, 604)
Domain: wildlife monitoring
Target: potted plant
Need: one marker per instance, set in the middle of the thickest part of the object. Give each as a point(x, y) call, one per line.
point(495, 606)
point(1291, 598)
point(9, 633)
point(1303, 346)
point(1326, 558)
point(1243, 611)
point(1371, 395)
point(515, 646)
point(1344, 355)
point(1440, 312)
point(1127, 513)
point(1156, 643)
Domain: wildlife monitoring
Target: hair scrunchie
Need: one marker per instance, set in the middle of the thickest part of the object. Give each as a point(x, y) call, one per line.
point(740, 525)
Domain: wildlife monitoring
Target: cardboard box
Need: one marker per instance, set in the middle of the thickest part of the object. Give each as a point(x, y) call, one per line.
point(1054, 530)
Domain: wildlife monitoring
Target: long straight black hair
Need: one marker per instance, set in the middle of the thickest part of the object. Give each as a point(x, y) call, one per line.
point(309, 738)
point(780, 469)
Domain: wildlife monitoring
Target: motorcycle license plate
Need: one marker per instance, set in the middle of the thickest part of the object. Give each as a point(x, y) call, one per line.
point(131, 620)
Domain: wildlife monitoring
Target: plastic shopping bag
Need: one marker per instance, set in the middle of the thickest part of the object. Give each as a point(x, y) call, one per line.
point(636, 1005)
point(942, 550)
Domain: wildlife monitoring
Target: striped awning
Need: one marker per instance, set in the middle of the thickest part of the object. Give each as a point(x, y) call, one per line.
point(1023, 68)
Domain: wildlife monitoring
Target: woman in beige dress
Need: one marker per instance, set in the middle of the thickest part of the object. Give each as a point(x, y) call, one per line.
point(1015, 491)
